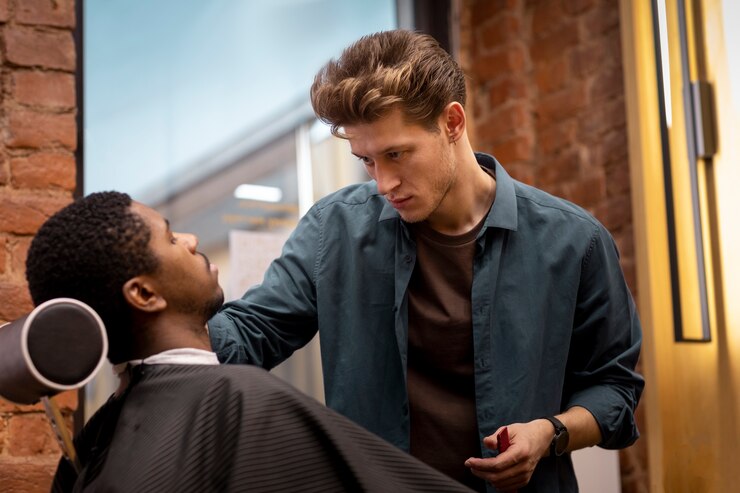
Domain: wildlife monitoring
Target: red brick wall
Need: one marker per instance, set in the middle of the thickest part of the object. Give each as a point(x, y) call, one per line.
point(547, 99)
point(37, 177)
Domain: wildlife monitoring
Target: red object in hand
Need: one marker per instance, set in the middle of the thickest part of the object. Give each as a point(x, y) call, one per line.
point(503, 444)
point(503, 440)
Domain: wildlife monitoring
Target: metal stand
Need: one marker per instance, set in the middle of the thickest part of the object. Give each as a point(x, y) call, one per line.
point(62, 433)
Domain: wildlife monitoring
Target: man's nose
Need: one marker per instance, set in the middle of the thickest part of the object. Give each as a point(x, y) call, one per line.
point(190, 240)
point(386, 178)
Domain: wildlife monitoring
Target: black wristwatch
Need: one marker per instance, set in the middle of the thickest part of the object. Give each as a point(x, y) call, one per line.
point(560, 441)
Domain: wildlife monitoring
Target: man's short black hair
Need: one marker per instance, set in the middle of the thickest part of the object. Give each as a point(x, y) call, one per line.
point(87, 251)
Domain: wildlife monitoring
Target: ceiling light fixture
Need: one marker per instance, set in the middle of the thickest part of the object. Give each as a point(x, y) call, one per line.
point(258, 192)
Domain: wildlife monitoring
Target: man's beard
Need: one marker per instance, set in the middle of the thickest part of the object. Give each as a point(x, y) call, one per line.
point(440, 189)
point(210, 308)
point(204, 309)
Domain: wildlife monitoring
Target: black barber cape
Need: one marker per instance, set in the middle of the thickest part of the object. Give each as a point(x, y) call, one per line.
point(202, 428)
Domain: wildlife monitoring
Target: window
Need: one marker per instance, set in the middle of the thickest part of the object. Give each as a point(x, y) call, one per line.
point(187, 100)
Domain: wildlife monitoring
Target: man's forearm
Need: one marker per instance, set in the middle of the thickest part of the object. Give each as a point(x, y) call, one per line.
point(583, 430)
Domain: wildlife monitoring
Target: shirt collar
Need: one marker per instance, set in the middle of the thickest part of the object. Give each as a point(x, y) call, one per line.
point(503, 213)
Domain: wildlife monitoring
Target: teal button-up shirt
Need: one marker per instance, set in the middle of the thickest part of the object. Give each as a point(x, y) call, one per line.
point(554, 324)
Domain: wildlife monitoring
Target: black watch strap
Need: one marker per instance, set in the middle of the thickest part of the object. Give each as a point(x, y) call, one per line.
point(560, 438)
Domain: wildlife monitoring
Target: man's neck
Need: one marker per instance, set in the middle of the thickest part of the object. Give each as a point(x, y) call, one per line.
point(170, 332)
point(469, 199)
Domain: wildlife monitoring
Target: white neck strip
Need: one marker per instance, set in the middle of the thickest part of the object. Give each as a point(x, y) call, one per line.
point(179, 356)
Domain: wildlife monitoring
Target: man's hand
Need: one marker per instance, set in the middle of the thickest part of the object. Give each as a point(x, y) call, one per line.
point(513, 469)
point(529, 443)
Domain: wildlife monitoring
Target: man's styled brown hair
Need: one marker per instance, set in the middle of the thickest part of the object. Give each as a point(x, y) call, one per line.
point(388, 69)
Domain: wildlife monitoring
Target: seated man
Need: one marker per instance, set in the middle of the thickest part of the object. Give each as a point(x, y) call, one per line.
point(184, 423)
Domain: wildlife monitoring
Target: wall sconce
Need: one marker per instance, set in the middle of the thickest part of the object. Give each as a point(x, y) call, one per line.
point(688, 142)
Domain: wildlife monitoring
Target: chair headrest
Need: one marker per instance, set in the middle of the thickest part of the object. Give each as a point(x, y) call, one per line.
point(59, 346)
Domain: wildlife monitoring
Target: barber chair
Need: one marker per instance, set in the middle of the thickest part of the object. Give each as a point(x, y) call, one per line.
point(59, 346)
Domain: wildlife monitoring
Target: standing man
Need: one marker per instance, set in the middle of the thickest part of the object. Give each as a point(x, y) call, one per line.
point(450, 299)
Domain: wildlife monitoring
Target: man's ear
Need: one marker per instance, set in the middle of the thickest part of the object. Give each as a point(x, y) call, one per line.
point(142, 295)
point(454, 120)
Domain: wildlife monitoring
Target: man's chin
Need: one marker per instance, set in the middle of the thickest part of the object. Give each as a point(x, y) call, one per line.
point(413, 218)
point(214, 304)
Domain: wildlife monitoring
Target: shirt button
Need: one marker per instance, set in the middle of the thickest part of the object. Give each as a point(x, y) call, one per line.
point(407, 259)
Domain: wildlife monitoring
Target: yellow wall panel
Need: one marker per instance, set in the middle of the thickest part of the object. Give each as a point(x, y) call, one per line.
point(692, 389)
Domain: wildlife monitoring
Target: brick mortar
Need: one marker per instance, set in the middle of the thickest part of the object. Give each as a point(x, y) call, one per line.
point(53, 108)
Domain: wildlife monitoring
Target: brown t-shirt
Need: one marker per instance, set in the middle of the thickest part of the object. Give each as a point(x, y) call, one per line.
point(441, 385)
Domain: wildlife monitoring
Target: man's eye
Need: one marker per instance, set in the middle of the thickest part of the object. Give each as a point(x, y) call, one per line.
point(365, 160)
point(173, 239)
point(394, 155)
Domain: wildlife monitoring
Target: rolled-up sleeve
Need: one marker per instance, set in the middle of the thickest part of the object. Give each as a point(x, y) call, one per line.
point(605, 348)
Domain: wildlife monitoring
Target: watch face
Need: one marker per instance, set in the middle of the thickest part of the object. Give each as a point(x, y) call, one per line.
point(561, 442)
point(560, 439)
